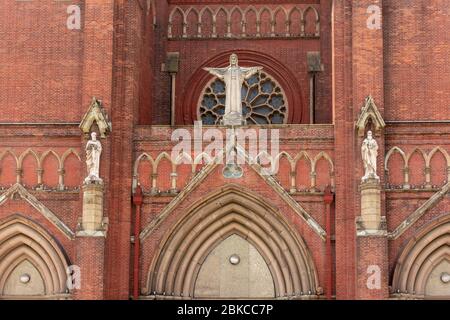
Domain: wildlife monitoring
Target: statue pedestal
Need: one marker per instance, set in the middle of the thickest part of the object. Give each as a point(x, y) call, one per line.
point(90, 242)
point(371, 244)
point(371, 204)
point(92, 222)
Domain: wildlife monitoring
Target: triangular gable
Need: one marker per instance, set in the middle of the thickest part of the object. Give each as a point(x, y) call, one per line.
point(206, 171)
point(416, 215)
point(19, 190)
point(369, 111)
point(96, 114)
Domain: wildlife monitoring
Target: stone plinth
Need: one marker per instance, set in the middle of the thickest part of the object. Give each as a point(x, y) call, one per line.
point(371, 204)
point(92, 219)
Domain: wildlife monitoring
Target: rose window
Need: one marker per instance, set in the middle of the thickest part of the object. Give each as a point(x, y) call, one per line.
point(263, 101)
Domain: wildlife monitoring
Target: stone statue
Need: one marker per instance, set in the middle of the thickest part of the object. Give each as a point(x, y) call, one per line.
point(234, 77)
point(369, 153)
point(93, 152)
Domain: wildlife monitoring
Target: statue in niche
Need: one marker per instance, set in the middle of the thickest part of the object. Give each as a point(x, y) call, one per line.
point(369, 153)
point(234, 77)
point(93, 153)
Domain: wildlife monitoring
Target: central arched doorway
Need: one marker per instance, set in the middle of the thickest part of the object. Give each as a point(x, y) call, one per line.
point(234, 269)
point(232, 244)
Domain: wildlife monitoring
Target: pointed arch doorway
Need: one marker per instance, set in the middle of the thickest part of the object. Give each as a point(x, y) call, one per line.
point(232, 244)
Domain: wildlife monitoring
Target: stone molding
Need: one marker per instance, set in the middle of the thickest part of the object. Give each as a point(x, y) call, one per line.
point(422, 253)
point(206, 170)
point(97, 114)
point(18, 190)
point(369, 111)
point(416, 215)
point(231, 210)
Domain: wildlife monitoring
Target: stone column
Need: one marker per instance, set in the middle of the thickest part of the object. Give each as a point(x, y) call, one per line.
point(371, 205)
point(372, 268)
point(91, 235)
point(92, 220)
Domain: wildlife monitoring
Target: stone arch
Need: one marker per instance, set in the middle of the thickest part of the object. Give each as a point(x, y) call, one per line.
point(67, 153)
point(284, 172)
point(29, 174)
point(279, 72)
point(315, 178)
point(236, 26)
point(391, 152)
point(295, 21)
point(161, 156)
point(207, 22)
point(22, 240)
point(144, 157)
point(12, 154)
point(391, 176)
point(323, 155)
point(417, 177)
point(419, 151)
point(302, 180)
point(49, 153)
point(69, 178)
point(286, 155)
point(176, 31)
point(164, 182)
point(438, 166)
point(264, 25)
point(433, 153)
point(222, 22)
point(232, 210)
point(8, 175)
point(192, 21)
point(419, 257)
point(313, 30)
point(33, 154)
point(280, 16)
point(146, 181)
point(45, 174)
point(250, 21)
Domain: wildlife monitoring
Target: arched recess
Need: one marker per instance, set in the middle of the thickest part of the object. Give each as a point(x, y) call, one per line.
point(420, 258)
point(232, 211)
point(281, 73)
point(24, 246)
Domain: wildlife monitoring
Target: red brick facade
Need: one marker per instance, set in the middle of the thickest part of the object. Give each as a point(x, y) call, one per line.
point(49, 75)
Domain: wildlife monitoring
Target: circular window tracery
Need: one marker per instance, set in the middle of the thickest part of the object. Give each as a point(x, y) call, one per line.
point(263, 101)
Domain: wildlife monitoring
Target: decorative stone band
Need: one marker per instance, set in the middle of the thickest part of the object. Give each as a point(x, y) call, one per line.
point(206, 170)
point(427, 205)
point(19, 190)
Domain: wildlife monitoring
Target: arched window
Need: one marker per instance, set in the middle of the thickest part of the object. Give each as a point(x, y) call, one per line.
point(263, 101)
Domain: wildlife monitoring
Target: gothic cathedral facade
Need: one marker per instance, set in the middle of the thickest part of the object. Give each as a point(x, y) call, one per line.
point(99, 201)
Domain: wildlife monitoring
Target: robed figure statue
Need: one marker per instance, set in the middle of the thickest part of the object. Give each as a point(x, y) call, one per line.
point(93, 153)
point(369, 153)
point(234, 77)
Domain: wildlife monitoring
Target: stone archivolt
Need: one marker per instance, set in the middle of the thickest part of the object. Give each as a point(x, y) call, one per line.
point(22, 240)
point(423, 252)
point(230, 211)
